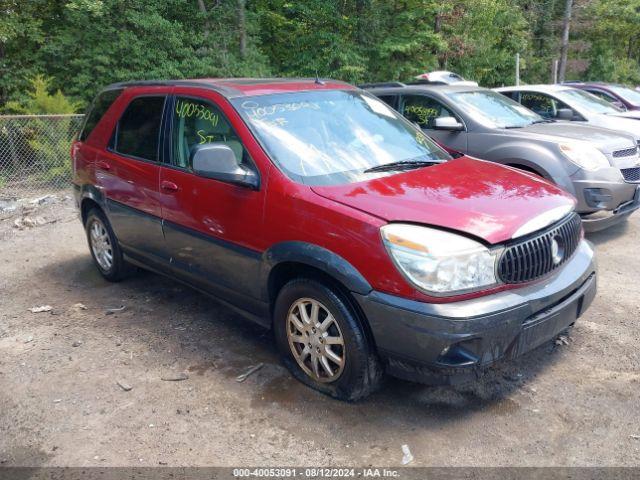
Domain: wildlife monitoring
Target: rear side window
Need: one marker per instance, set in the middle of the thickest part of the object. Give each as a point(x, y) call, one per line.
point(138, 131)
point(97, 109)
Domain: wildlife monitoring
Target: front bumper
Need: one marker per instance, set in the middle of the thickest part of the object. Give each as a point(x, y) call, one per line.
point(604, 198)
point(452, 342)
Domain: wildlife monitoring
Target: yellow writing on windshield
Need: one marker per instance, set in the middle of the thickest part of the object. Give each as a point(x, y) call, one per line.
point(204, 138)
point(196, 110)
point(420, 114)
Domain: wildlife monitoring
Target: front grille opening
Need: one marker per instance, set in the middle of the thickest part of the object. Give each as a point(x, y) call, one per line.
point(631, 174)
point(540, 254)
point(627, 152)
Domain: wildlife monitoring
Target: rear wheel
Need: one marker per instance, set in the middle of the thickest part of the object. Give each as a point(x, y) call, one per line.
point(104, 247)
point(322, 342)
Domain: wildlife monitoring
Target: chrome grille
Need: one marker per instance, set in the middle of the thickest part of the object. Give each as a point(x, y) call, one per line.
point(627, 152)
point(533, 257)
point(631, 174)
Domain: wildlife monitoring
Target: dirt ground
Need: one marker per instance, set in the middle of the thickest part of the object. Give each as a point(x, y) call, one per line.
point(61, 405)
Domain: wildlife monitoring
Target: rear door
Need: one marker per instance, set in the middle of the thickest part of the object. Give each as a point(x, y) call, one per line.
point(128, 172)
point(423, 111)
point(211, 227)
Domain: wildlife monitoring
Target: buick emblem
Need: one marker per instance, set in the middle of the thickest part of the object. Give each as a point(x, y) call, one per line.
point(557, 250)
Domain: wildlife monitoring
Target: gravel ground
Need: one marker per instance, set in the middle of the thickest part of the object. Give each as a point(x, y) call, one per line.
point(61, 404)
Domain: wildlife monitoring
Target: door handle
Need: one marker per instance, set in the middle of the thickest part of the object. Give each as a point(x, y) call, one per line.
point(103, 165)
point(169, 186)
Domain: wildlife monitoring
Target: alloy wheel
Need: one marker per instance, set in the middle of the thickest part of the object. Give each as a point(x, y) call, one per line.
point(315, 340)
point(101, 245)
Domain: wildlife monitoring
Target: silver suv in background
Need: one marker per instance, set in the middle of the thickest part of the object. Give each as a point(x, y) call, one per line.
point(561, 102)
point(585, 161)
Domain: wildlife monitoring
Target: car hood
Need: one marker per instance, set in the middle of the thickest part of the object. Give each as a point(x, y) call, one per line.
point(606, 140)
point(634, 114)
point(482, 199)
point(621, 124)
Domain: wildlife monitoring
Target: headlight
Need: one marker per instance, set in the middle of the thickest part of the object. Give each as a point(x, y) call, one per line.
point(440, 262)
point(584, 155)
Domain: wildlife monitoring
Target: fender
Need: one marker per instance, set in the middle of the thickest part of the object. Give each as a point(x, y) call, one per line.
point(94, 193)
point(313, 256)
point(537, 157)
point(91, 192)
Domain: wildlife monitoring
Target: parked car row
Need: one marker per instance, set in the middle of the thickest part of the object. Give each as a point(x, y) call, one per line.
point(599, 166)
point(318, 210)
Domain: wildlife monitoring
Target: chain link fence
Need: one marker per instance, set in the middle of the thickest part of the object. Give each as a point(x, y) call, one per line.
point(35, 153)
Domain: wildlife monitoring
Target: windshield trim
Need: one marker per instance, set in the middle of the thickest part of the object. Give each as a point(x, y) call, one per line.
point(304, 180)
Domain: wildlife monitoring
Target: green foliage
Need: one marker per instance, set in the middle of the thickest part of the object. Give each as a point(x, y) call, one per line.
point(83, 45)
point(49, 139)
point(484, 37)
point(615, 50)
point(39, 100)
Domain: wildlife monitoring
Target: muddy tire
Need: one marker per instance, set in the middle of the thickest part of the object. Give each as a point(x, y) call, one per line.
point(322, 342)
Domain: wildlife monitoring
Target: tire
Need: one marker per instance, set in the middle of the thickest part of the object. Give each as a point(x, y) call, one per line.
point(359, 373)
point(104, 247)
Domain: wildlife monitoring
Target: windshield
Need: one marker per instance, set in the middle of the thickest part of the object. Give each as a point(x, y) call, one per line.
point(495, 109)
point(586, 101)
point(332, 137)
point(631, 96)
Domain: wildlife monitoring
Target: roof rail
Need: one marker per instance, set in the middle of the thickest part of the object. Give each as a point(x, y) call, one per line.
point(381, 84)
point(424, 81)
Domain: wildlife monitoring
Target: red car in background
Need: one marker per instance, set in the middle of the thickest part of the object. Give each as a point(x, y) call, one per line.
point(316, 210)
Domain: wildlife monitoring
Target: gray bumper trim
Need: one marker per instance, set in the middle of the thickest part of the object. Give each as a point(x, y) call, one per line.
point(414, 333)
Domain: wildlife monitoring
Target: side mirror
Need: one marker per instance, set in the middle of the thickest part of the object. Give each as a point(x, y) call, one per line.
point(565, 114)
point(216, 160)
point(447, 123)
point(620, 105)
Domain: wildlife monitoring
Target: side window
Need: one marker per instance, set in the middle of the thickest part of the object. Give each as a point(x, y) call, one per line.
point(512, 95)
point(138, 131)
point(424, 110)
point(196, 122)
point(97, 109)
point(543, 105)
point(603, 95)
point(390, 100)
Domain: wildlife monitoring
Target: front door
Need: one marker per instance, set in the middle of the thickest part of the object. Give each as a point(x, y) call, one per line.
point(210, 226)
point(423, 110)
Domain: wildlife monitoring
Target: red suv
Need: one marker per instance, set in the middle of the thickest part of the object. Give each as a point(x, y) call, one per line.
point(316, 210)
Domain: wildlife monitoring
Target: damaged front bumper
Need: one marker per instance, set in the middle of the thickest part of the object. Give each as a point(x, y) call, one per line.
point(452, 342)
point(604, 197)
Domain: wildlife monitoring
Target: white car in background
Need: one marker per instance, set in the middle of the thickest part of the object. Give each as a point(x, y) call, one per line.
point(561, 102)
point(444, 77)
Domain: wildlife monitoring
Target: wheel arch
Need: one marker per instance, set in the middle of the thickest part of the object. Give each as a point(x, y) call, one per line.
point(289, 260)
point(90, 197)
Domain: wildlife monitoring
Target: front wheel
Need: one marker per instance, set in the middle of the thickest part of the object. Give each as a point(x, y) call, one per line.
point(322, 342)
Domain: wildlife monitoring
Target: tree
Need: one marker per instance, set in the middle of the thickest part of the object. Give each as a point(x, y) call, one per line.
point(564, 45)
point(615, 41)
point(483, 37)
point(39, 100)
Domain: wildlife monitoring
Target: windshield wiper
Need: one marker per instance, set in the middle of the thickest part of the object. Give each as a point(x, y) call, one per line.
point(401, 165)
